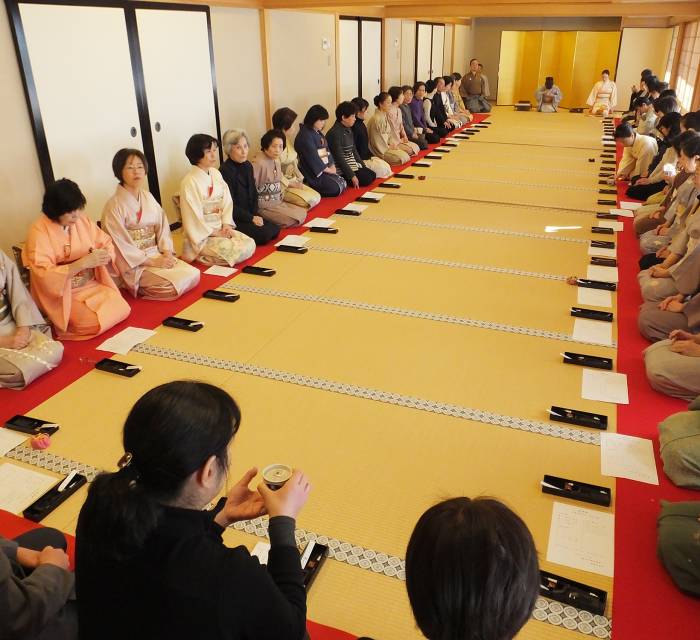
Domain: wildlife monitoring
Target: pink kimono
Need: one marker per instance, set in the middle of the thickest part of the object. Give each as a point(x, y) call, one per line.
point(80, 306)
point(140, 230)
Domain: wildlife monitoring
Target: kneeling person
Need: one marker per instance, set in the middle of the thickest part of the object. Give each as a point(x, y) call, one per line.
point(342, 145)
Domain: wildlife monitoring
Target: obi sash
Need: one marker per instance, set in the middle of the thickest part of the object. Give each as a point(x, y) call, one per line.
point(143, 237)
point(270, 192)
point(212, 209)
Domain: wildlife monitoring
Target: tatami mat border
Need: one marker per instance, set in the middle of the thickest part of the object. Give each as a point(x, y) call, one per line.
point(436, 261)
point(466, 413)
point(51, 462)
point(409, 313)
point(468, 229)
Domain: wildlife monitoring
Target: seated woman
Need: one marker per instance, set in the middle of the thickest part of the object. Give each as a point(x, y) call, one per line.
point(462, 117)
point(382, 141)
point(418, 113)
point(141, 234)
point(316, 162)
point(207, 210)
point(381, 168)
point(295, 192)
point(414, 133)
point(457, 100)
point(673, 365)
point(548, 96)
point(342, 146)
point(396, 122)
point(267, 172)
point(603, 97)
point(471, 571)
point(68, 255)
point(26, 348)
point(237, 171)
point(430, 111)
point(150, 558)
point(646, 116)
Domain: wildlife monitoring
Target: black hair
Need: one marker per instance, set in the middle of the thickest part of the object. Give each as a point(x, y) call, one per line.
point(671, 121)
point(345, 110)
point(417, 86)
point(691, 146)
point(666, 105)
point(661, 86)
point(448, 80)
point(169, 434)
point(380, 97)
point(360, 103)
point(198, 145)
point(691, 120)
point(269, 136)
point(430, 86)
point(456, 76)
point(122, 157)
point(63, 196)
point(283, 118)
point(668, 92)
point(315, 113)
point(549, 82)
point(471, 571)
point(623, 130)
point(652, 83)
point(646, 73)
point(394, 92)
point(638, 102)
point(473, 60)
point(685, 137)
point(605, 72)
point(407, 87)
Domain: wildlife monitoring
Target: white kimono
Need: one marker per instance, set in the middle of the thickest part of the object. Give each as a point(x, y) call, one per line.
point(603, 98)
point(206, 205)
point(140, 230)
point(19, 367)
point(637, 158)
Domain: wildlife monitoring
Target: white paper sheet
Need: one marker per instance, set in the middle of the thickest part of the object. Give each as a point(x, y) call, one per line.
point(261, 551)
point(593, 331)
point(625, 213)
point(355, 206)
point(373, 195)
point(19, 487)
point(320, 222)
point(630, 206)
point(216, 270)
point(604, 386)
point(594, 298)
point(627, 457)
point(293, 241)
point(126, 340)
point(605, 274)
point(582, 539)
point(603, 253)
point(442, 148)
point(10, 439)
point(425, 162)
point(615, 225)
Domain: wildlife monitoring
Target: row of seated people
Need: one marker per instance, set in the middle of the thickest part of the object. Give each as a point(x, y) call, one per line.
point(77, 267)
point(151, 561)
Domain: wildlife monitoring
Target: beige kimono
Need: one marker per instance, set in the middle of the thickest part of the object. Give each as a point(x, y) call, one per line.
point(140, 230)
point(603, 98)
point(19, 367)
point(381, 137)
point(206, 205)
point(637, 158)
point(271, 190)
point(303, 196)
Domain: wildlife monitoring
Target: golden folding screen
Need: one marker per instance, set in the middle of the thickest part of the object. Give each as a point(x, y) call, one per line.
point(573, 58)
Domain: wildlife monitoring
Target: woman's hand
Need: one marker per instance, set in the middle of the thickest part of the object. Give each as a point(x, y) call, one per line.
point(330, 169)
point(289, 500)
point(657, 271)
point(241, 502)
point(96, 258)
point(686, 348)
point(258, 221)
point(226, 231)
point(680, 334)
point(672, 303)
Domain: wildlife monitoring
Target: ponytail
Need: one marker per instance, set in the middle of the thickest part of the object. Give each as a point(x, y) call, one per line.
point(381, 97)
point(169, 434)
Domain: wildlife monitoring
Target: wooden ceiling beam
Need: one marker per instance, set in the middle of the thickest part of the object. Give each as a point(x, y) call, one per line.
point(632, 9)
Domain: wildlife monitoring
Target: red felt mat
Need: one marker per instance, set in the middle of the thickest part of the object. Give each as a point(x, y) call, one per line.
point(646, 604)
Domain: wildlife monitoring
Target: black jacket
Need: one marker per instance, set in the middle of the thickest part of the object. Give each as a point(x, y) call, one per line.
point(241, 183)
point(361, 137)
point(438, 111)
point(342, 143)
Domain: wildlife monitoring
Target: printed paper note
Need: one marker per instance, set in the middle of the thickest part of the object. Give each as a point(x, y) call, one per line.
point(20, 487)
point(605, 274)
point(593, 331)
point(293, 241)
point(627, 457)
point(594, 298)
point(10, 439)
point(126, 340)
point(605, 386)
point(216, 270)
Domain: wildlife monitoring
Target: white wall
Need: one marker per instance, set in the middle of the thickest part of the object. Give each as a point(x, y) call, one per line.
point(392, 52)
point(239, 70)
point(21, 185)
point(301, 72)
point(640, 49)
point(464, 47)
point(447, 49)
point(408, 52)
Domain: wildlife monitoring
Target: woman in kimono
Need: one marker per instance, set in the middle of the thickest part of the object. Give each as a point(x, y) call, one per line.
point(395, 118)
point(361, 137)
point(141, 234)
point(295, 191)
point(603, 97)
point(548, 96)
point(67, 255)
point(316, 161)
point(268, 180)
point(238, 173)
point(382, 141)
point(207, 210)
point(26, 348)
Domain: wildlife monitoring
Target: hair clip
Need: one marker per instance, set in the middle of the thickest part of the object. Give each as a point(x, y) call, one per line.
point(125, 460)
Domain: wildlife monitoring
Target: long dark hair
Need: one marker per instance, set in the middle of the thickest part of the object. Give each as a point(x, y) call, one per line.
point(170, 433)
point(471, 571)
